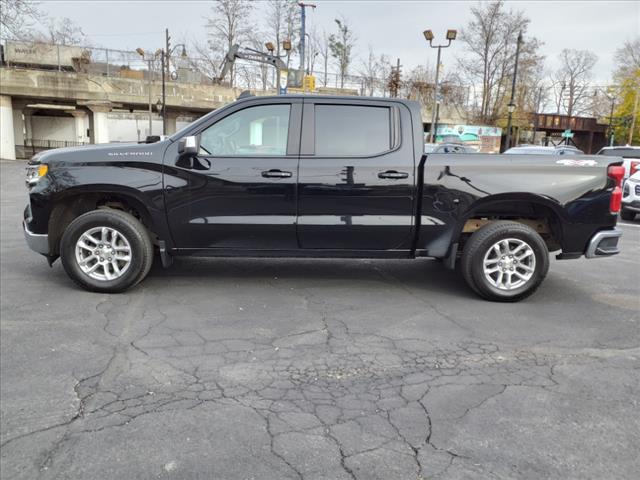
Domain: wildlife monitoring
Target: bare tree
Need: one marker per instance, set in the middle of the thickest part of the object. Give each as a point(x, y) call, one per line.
point(627, 58)
point(341, 45)
point(324, 50)
point(418, 84)
point(205, 59)
point(627, 91)
point(384, 63)
point(490, 37)
point(262, 69)
point(313, 49)
point(282, 17)
point(228, 25)
point(62, 31)
point(247, 76)
point(572, 81)
point(370, 73)
point(17, 17)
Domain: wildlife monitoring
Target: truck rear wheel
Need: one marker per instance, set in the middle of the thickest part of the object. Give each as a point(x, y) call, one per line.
point(106, 251)
point(505, 261)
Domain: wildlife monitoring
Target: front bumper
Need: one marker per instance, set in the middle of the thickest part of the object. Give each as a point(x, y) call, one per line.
point(632, 205)
point(604, 244)
point(36, 241)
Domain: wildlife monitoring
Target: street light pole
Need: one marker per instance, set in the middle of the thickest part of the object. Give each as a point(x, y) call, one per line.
point(149, 88)
point(149, 61)
point(303, 18)
point(613, 101)
point(428, 35)
point(634, 116)
point(164, 96)
point(511, 107)
point(164, 60)
point(435, 98)
point(537, 113)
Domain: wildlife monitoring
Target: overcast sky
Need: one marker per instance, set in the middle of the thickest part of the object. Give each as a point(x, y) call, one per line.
point(390, 27)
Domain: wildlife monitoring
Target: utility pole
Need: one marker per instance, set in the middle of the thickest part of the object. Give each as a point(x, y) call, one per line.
point(164, 95)
point(302, 32)
point(537, 113)
point(613, 101)
point(434, 113)
point(167, 49)
point(634, 116)
point(150, 110)
point(511, 107)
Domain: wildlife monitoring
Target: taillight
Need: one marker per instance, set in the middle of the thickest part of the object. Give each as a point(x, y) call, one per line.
point(634, 167)
point(616, 172)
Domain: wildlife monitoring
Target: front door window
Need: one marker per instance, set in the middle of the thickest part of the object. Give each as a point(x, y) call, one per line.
point(253, 132)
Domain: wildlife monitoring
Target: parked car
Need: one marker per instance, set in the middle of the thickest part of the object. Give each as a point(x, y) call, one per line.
point(629, 153)
point(631, 197)
point(317, 176)
point(447, 148)
point(542, 150)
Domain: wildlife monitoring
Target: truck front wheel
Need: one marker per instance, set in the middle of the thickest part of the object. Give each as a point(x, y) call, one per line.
point(106, 251)
point(505, 261)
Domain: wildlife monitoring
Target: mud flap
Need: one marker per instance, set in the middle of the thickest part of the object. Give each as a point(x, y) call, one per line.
point(167, 259)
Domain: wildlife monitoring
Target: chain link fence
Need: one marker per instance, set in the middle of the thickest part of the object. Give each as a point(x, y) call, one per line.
point(116, 63)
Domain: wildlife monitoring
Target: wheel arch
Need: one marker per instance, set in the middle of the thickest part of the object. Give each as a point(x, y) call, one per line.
point(75, 202)
point(519, 208)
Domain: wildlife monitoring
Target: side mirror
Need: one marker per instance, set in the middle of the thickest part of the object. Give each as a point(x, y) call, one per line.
point(189, 145)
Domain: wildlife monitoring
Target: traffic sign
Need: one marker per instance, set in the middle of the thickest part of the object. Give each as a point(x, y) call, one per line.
point(567, 134)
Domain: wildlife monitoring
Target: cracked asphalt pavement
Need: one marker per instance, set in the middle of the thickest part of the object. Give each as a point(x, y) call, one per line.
point(316, 369)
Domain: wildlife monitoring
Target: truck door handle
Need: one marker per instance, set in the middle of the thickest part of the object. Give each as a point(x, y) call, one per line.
point(392, 174)
point(276, 174)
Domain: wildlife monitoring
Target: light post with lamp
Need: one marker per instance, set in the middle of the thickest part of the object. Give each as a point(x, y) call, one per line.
point(511, 107)
point(149, 60)
point(428, 35)
point(164, 56)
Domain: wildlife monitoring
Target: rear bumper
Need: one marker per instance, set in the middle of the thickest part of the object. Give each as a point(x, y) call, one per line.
point(604, 244)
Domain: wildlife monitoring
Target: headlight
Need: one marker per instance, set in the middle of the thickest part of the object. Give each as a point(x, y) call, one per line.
point(35, 173)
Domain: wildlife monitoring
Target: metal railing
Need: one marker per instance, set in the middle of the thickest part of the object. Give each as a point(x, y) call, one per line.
point(37, 145)
point(116, 63)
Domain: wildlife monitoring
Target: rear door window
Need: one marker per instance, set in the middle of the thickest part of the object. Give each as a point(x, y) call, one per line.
point(352, 130)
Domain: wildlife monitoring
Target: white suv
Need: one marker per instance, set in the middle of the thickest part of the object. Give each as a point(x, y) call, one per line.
point(631, 197)
point(629, 153)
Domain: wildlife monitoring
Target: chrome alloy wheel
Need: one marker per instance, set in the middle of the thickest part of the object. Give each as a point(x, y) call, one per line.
point(103, 253)
point(509, 264)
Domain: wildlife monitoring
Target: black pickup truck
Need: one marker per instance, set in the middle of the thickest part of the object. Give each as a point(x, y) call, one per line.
point(317, 176)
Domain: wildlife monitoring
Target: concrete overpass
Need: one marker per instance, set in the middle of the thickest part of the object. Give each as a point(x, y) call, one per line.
point(88, 98)
point(66, 108)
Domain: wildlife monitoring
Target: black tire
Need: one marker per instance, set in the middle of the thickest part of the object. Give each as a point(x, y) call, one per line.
point(627, 214)
point(128, 226)
point(473, 256)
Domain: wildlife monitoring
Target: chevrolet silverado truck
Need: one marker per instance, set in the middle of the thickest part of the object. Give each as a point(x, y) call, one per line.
point(317, 176)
